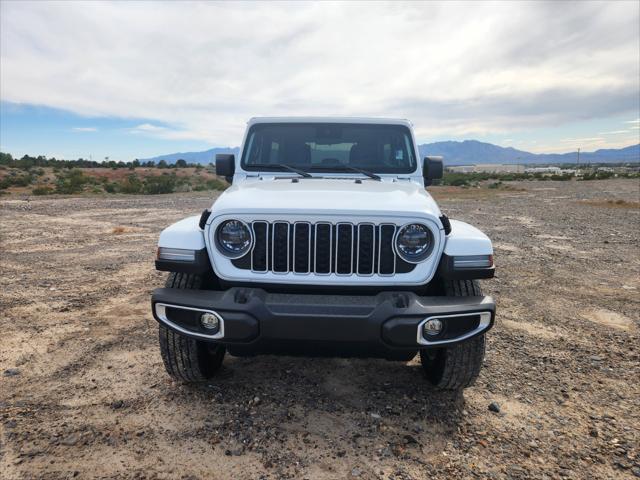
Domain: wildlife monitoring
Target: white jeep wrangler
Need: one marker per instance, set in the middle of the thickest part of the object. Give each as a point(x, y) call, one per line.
point(327, 243)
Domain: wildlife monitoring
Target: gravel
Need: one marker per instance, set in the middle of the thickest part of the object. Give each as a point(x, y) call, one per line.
point(92, 399)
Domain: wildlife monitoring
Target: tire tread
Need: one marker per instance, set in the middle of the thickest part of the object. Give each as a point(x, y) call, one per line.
point(459, 365)
point(184, 358)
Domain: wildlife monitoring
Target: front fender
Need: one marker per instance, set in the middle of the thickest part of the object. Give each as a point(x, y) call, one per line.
point(183, 238)
point(466, 239)
point(185, 234)
point(467, 255)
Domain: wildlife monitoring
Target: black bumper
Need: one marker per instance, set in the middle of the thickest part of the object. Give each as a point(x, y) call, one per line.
point(383, 325)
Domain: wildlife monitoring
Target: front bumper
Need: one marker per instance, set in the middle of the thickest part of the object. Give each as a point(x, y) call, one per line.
point(385, 325)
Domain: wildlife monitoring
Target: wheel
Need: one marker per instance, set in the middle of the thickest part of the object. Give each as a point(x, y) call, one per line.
point(458, 366)
point(186, 359)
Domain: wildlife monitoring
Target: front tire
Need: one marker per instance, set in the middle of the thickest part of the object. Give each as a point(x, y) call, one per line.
point(458, 366)
point(186, 359)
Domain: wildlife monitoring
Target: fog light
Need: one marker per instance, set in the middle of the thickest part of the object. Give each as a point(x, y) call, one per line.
point(210, 321)
point(432, 327)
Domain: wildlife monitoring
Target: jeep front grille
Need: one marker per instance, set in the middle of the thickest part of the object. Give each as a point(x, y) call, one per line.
point(323, 248)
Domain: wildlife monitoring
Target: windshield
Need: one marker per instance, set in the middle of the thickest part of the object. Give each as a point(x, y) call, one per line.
point(329, 147)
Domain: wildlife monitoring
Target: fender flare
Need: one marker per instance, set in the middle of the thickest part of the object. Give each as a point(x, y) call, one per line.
point(184, 235)
point(466, 239)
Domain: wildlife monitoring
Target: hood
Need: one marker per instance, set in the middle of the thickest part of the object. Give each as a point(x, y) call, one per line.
point(327, 196)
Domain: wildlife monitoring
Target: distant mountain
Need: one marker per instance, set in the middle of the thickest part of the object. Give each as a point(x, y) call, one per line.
point(467, 152)
point(475, 152)
point(206, 157)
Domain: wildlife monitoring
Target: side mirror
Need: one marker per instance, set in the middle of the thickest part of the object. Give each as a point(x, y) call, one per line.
point(432, 169)
point(226, 165)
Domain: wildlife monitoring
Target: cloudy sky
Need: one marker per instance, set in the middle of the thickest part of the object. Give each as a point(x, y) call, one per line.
point(129, 80)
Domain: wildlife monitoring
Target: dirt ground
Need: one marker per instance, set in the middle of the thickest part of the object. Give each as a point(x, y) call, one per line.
point(83, 392)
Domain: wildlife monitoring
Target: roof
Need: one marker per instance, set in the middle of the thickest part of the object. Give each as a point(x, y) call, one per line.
point(369, 120)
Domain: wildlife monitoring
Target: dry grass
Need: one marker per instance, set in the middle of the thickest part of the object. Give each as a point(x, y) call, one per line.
point(118, 230)
point(450, 192)
point(612, 203)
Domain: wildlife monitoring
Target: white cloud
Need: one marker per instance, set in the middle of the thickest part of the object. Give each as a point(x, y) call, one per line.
point(158, 131)
point(147, 127)
point(588, 139)
point(614, 132)
point(84, 129)
point(636, 122)
point(204, 68)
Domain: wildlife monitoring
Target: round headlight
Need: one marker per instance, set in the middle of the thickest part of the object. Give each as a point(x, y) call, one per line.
point(414, 242)
point(234, 238)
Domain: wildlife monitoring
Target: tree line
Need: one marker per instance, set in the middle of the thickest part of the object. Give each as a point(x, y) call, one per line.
point(28, 161)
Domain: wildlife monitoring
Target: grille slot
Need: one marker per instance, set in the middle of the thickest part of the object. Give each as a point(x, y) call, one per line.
point(302, 247)
point(344, 248)
point(323, 248)
point(366, 249)
point(280, 247)
point(386, 255)
point(260, 247)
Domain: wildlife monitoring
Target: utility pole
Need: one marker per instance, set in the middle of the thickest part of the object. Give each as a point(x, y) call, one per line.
point(578, 156)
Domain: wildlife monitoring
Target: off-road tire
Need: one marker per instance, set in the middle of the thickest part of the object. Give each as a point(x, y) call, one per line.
point(458, 366)
point(186, 359)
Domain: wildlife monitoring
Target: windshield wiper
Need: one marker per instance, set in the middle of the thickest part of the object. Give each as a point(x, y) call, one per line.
point(282, 166)
point(349, 168)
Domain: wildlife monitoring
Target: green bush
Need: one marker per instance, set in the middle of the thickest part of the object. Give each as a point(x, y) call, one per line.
point(597, 176)
point(131, 184)
point(110, 187)
point(13, 180)
point(456, 180)
point(160, 184)
point(42, 190)
point(561, 178)
point(72, 181)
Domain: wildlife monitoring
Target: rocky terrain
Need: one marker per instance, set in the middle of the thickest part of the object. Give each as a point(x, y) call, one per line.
point(83, 392)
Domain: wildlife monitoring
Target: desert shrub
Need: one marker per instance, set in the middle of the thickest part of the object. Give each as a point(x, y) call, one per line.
point(110, 187)
point(629, 175)
point(497, 184)
point(42, 190)
point(72, 181)
point(456, 179)
point(131, 184)
point(15, 180)
point(216, 185)
point(160, 184)
point(213, 184)
point(597, 176)
point(561, 178)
